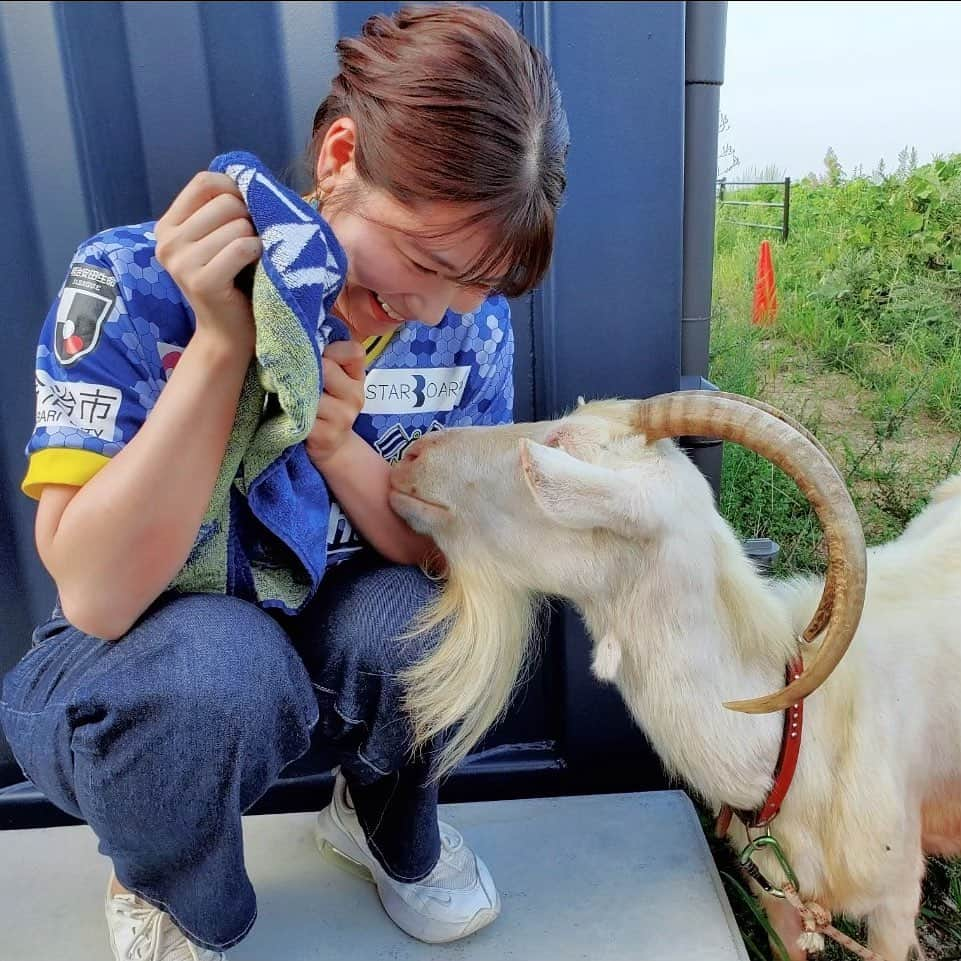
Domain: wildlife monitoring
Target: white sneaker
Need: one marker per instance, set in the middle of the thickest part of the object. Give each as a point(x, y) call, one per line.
point(457, 898)
point(141, 932)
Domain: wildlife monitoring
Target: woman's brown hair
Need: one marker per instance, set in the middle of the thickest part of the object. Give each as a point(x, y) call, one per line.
point(452, 104)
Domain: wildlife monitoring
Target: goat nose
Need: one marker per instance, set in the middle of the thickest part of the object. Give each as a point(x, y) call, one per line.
point(411, 454)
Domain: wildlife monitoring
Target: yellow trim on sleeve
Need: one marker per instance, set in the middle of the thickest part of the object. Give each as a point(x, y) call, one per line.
point(60, 465)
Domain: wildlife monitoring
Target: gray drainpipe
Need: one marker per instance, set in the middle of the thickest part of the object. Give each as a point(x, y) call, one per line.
point(704, 38)
point(705, 32)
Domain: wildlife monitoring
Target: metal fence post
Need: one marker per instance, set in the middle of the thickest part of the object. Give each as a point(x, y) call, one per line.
point(787, 208)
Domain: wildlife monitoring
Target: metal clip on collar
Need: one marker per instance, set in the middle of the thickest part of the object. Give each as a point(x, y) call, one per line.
point(767, 840)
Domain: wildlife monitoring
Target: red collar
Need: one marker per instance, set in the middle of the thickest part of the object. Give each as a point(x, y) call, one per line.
point(783, 773)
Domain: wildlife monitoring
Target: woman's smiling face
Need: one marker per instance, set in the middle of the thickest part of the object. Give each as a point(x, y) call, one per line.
point(394, 273)
point(402, 261)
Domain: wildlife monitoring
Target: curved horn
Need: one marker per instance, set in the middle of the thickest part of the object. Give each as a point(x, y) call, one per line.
point(774, 412)
point(771, 435)
point(823, 613)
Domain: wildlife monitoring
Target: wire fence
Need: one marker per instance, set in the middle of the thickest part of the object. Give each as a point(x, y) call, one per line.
point(725, 188)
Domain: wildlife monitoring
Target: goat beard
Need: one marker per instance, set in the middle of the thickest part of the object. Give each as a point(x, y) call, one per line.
point(466, 683)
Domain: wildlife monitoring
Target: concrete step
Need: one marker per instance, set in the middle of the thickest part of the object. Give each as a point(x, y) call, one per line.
point(602, 878)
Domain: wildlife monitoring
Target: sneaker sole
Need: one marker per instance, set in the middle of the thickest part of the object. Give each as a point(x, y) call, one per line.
point(334, 842)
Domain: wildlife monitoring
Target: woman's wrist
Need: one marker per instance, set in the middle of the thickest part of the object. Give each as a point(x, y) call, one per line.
point(220, 349)
point(333, 460)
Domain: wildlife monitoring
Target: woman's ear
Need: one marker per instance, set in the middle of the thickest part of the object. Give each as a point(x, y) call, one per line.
point(335, 159)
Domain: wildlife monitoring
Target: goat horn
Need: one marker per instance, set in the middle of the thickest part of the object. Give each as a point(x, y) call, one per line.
point(775, 437)
point(823, 613)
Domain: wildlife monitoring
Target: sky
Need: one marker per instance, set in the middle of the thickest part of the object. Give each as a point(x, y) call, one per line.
point(864, 78)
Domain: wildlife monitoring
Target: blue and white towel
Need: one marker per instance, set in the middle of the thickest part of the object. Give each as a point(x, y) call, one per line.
point(264, 536)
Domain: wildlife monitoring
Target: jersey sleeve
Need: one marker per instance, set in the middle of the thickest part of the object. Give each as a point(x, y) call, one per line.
point(98, 370)
point(489, 394)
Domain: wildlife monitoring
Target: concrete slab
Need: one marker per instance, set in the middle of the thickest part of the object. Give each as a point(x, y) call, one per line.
point(603, 878)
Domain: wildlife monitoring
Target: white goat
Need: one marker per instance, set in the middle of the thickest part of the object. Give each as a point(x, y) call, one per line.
point(589, 509)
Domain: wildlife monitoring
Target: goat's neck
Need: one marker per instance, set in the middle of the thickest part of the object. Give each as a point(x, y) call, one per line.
point(692, 636)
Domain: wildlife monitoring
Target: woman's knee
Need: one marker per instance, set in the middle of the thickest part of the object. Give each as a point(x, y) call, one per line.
point(199, 662)
point(237, 643)
point(370, 623)
point(211, 701)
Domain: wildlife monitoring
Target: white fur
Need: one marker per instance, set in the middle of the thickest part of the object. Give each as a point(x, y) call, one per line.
point(583, 508)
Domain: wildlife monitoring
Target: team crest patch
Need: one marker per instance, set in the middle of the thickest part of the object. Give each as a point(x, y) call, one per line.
point(87, 298)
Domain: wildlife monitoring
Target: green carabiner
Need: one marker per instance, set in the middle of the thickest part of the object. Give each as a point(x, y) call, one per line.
point(767, 841)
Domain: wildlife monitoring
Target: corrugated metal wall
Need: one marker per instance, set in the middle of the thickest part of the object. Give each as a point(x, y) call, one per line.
point(107, 109)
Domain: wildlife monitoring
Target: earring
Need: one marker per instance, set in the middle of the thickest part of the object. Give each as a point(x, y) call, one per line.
point(317, 196)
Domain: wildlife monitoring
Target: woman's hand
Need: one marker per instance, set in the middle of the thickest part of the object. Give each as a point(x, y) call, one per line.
point(204, 240)
point(155, 491)
point(340, 403)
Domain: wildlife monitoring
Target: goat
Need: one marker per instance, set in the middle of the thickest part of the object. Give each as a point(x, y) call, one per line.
point(602, 508)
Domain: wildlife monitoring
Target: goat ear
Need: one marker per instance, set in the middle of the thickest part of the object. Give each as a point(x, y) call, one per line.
point(571, 492)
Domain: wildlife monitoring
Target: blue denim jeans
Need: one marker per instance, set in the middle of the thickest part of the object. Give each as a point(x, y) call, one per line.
point(160, 741)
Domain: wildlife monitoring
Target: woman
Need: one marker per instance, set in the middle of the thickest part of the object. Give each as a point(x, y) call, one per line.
point(159, 717)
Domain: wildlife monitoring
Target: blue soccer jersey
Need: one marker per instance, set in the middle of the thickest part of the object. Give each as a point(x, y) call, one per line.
point(456, 374)
point(118, 327)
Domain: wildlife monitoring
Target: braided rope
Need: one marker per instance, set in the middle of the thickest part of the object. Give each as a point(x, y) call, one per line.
point(817, 920)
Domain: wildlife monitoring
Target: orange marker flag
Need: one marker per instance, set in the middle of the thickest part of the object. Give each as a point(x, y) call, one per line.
point(764, 311)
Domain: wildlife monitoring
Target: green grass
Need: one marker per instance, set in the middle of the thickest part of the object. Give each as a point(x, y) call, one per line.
point(866, 352)
point(869, 288)
point(756, 497)
point(869, 282)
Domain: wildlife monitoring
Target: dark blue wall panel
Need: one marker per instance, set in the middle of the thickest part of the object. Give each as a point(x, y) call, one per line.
point(617, 275)
point(103, 111)
point(607, 322)
point(24, 591)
